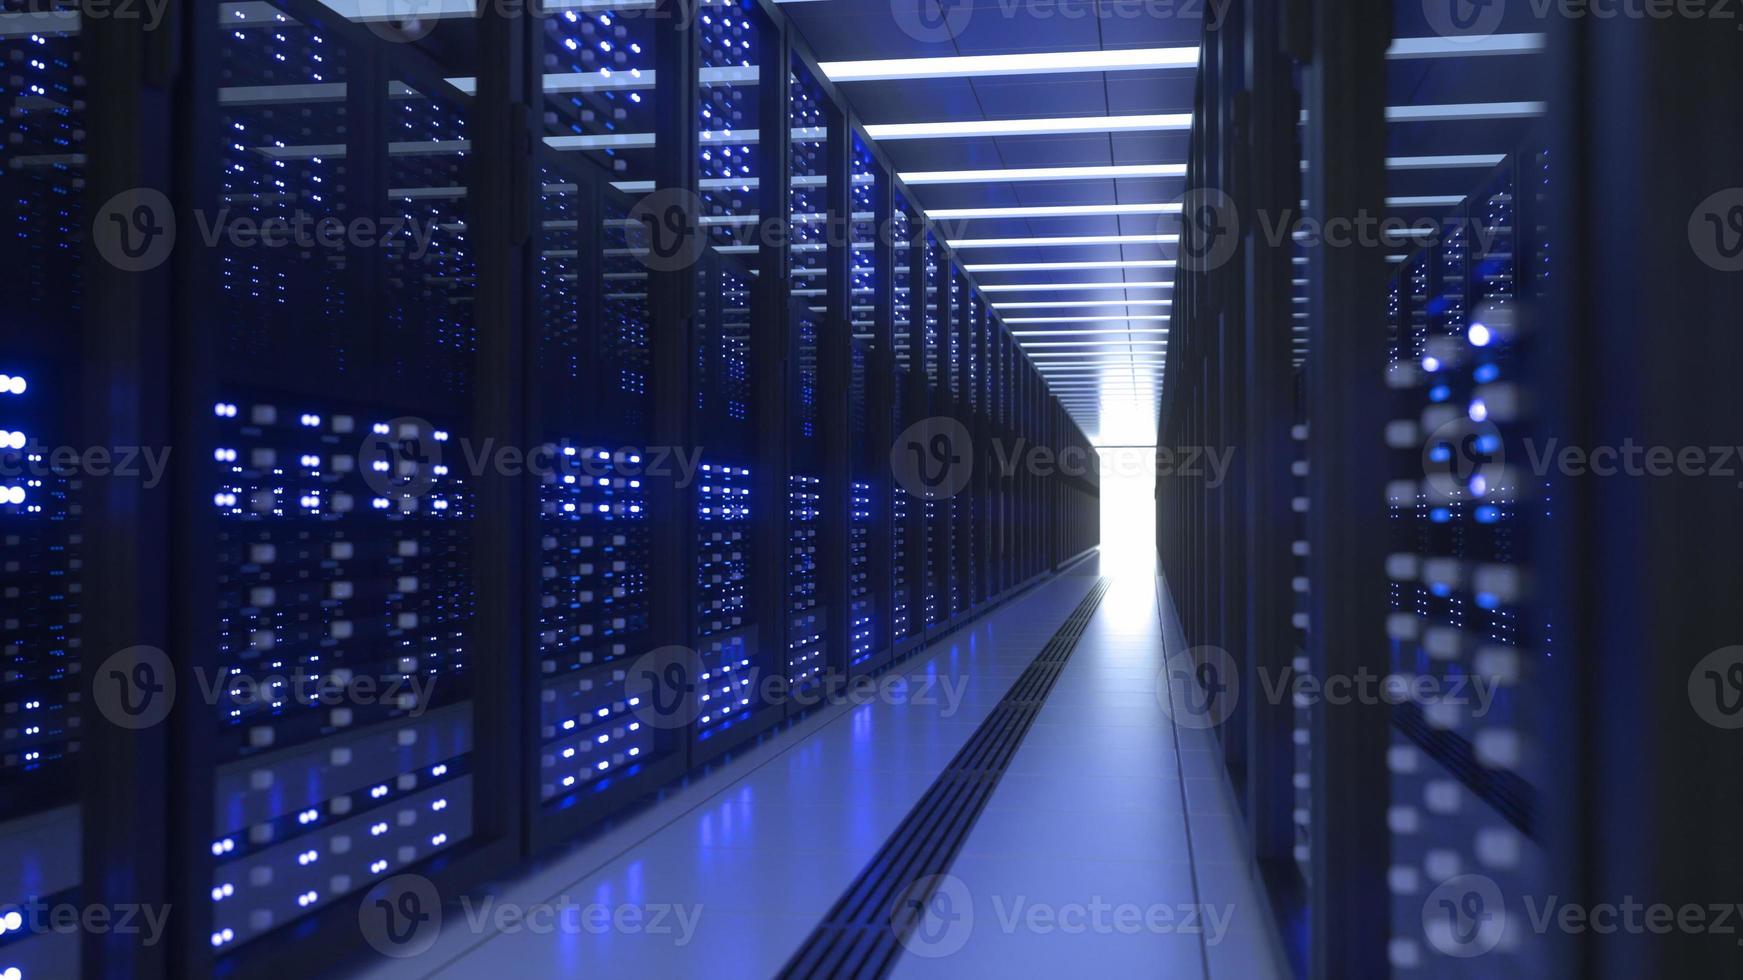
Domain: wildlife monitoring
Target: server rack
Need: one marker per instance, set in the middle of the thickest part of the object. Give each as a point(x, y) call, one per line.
point(1414, 387)
point(43, 746)
point(462, 473)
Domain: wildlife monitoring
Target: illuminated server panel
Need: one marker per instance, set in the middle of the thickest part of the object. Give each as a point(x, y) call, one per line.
point(962, 504)
point(42, 714)
point(864, 630)
point(981, 327)
point(608, 126)
point(593, 519)
point(904, 599)
point(342, 557)
point(807, 615)
point(935, 602)
point(727, 637)
point(1299, 585)
point(727, 634)
point(345, 614)
point(1460, 515)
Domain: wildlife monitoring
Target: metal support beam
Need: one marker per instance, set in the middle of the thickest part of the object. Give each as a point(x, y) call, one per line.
point(1346, 178)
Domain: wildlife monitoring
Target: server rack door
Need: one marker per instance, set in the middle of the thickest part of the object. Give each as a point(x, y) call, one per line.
point(807, 612)
point(597, 740)
point(868, 419)
point(935, 595)
point(43, 272)
point(595, 462)
point(338, 749)
point(740, 487)
point(962, 399)
point(907, 549)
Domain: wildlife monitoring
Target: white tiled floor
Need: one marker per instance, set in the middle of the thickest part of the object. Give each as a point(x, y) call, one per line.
point(1093, 812)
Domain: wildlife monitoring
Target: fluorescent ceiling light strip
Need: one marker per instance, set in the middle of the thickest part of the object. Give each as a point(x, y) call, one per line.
point(1082, 304)
point(1407, 48)
point(1062, 240)
point(1052, 211)
point(1018, 287)
point(1080, 333)
point(1070, 266)
point(923, 177)
point(1146, 318)
point(1049, 344)
point(1035, 63)
point(1093, 354)
point(1030, 127)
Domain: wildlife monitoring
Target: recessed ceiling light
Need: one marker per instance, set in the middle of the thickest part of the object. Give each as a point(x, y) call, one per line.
point(1083, 304)
point(923, 177)
point(1053, 211)
point(1079, 333)
point(1062, 240)
point(1088, 319)
point(1068, 266)
point(1035, 63)
point(1018, 287)
point(1029, 127)
point(1052, 344)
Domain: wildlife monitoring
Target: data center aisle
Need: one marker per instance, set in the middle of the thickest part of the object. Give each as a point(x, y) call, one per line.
point(1111, 846)
point(755, 853)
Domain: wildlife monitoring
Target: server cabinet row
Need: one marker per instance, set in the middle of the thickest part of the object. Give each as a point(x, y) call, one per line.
point(455, 515)
point(1396, 516)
